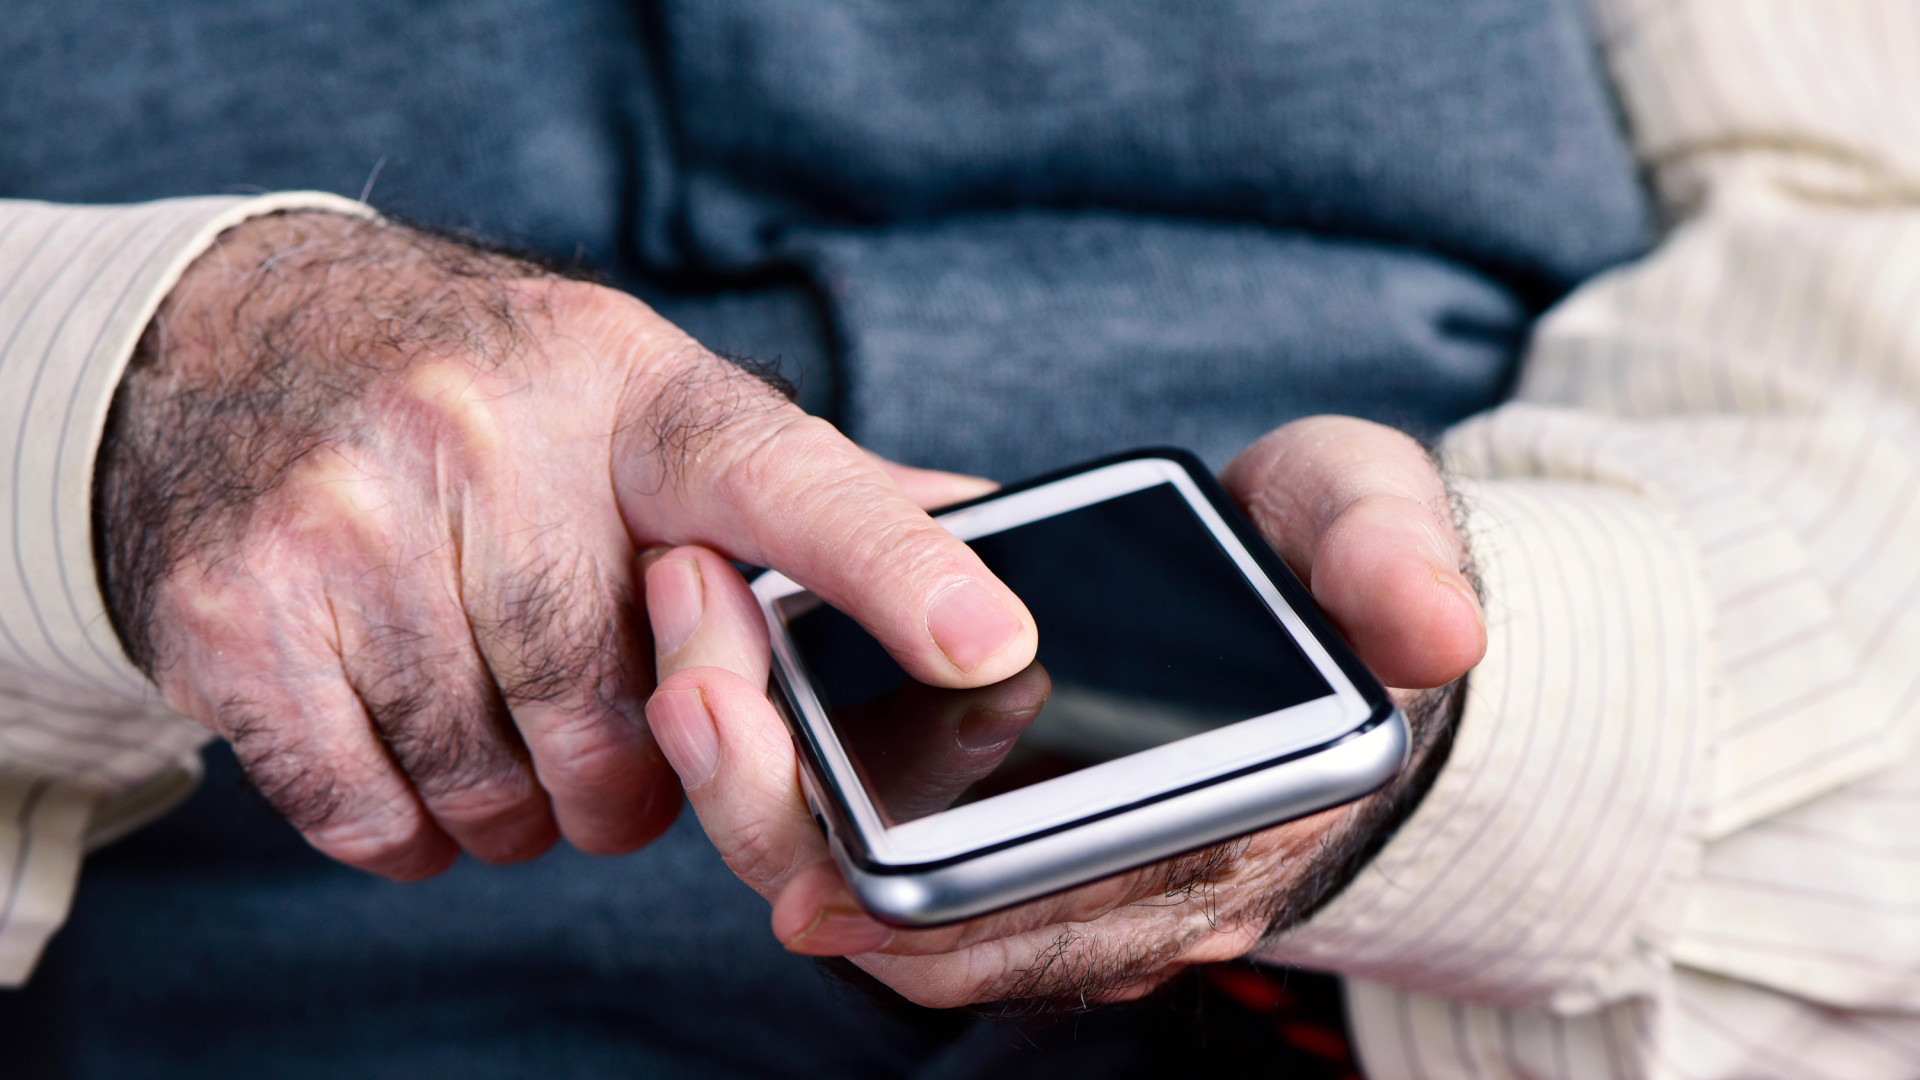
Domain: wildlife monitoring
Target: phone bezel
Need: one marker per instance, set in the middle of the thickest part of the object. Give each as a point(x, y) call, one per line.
point(1356, 704)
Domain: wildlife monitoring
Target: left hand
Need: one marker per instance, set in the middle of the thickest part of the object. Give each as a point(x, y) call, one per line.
point(369, 505)
point(1360, 514)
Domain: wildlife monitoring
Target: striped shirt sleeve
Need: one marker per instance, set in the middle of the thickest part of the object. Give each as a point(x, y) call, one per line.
point(87, 749)
point(1675, 838)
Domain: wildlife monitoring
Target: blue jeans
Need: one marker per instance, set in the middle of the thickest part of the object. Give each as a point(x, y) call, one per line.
point(996, 240)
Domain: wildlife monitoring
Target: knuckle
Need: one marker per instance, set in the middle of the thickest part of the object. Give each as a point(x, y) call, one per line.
point(394, 839)
point(1011, 970)
point(1073, 971)
point(796, 456)
point(308, 796)
point(448, 750)
point(803, 479)
point(481, 802)
point(594, 754)
point(560, 632)
point(459, 404)
point(899, 547)
point(756, 853)
point(1225, 943)
point(338, 811)
point(634, 821)
point(570, 302)
point(1196, 874)
point(697, 399)
point(437, 715)
point(216, 627)
point(1252, 468)
point(303, 788)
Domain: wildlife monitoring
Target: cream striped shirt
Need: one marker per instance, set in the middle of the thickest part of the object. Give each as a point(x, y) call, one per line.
point(1680, 832)
point(87, 750)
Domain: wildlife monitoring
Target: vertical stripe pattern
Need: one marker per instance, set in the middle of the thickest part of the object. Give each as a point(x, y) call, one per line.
point(1700, 524)
point(83, 737)
point(1527, 873)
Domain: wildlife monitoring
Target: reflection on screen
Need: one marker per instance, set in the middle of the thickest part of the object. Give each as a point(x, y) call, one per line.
point(1148, 634)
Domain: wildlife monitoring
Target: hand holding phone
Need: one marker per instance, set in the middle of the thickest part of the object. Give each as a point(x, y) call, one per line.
point(1197, 696)
point(1119, 935)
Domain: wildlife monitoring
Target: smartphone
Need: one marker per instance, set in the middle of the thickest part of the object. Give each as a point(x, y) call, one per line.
point(1186, 691)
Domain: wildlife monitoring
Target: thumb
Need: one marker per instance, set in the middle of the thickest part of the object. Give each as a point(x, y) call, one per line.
point(1361, 514)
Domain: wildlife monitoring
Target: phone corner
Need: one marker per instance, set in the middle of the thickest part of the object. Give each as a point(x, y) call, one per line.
point(905, 900)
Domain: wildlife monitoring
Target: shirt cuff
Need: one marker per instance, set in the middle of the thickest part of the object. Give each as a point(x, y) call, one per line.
point(87, 748)
point(78, 285)
point(43, 850)
point(1541, 867)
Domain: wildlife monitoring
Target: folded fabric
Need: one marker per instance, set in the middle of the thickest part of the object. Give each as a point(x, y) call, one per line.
point(1012, 343)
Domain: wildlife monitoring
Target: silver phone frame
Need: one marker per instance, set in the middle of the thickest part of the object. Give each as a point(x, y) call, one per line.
point(1352, 744)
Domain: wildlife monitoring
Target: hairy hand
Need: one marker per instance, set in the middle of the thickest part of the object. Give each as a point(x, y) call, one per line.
point(369, 507)
point(1362, 516)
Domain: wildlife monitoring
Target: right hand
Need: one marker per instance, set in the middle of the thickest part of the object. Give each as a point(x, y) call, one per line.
point(370, 507)
point(1361, 514)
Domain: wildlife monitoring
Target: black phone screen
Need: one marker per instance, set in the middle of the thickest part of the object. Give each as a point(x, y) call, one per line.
point(1149, 633)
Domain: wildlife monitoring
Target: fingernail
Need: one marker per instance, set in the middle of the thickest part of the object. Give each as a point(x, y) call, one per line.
point(970, 625)
point(684, 729)
point(839, 931)
point(676, 599)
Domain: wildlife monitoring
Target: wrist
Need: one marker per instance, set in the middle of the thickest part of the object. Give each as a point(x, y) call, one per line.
point(255, 356)
point(1433, 716)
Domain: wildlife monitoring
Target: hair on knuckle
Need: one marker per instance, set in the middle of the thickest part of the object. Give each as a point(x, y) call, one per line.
point(449, 742)
point(766, 371)
point(1197, 872)
point(440, 718)
point(702, 398)
point(299, 786)
point(1078, 970)
point(567, 637)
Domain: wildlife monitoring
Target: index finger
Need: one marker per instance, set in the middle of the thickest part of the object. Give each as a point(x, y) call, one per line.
point(931, 489)
point(717, 458)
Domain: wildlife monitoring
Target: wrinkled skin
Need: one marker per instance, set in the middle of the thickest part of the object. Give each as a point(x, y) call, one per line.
point(1360, 514)
point(370, 506)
